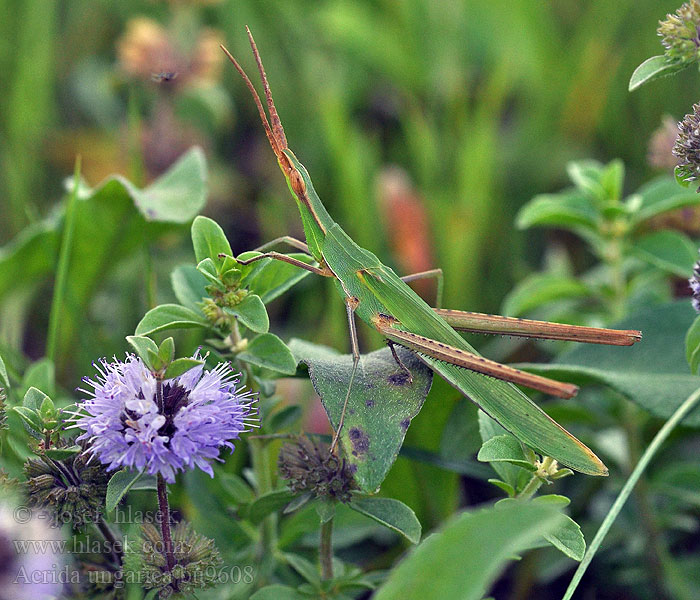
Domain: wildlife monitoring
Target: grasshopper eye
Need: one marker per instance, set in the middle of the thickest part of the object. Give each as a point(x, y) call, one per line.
point(297, 183)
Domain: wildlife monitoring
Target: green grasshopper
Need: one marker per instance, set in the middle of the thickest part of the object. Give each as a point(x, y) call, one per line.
point(383, 300)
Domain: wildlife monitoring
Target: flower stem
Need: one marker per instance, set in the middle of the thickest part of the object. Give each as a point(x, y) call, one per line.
point(690, 403)
point(325, 551)
point(165, 522)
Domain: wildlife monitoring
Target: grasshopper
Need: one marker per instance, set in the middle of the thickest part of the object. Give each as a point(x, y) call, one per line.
point(383, 300)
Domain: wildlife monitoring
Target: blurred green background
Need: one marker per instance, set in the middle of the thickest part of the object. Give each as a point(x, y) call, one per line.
point(425, 126)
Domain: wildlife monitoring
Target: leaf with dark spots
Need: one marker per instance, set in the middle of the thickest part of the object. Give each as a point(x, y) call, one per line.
point(382, 402)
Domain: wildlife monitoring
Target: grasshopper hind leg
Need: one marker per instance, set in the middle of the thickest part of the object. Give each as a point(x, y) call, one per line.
point(397, 358)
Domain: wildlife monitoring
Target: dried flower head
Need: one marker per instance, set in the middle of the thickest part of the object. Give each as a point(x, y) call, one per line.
point(71, 490)
point(310, 467)
point(687, 146)
point(680, 33)
point(694, 282)
point(3, 409)
point(196, 560)
point(135, 420)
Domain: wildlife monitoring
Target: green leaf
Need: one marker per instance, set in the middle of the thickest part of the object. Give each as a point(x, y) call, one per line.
point(542, 288)
point(269, 352)
point(513, 476)
point(587, 176)
point(275, 277)
point(236, 487)
point(278, 592)
point(189, 286)
point(498, 533)
point(325, 509)
point(391, 513)
point(34, 398)
point(305, 568)
point(207, 268)
point(119, 484)
point(31, 419)
point(181, 366)
point(268, 504)
point(63, 453)
point(568, 210)
point(166, 351)
point(41, 375)
point(177, 195)
point(251, 312)
point(692, 343)
point(567, 537)
point(661, 195)
point(505, 448)
point(653, 68)
point(613, 179)
point(169, 316)
point(652, 373)
point(671, 251)
point(284, 418)
point(209, 240)
point(143, 345)
point(4, 379)
point(380, 408)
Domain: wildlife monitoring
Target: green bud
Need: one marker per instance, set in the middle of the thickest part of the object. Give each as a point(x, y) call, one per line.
point(679, 33)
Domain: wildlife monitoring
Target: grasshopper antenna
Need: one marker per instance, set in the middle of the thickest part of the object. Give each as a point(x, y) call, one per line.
point(273, 126)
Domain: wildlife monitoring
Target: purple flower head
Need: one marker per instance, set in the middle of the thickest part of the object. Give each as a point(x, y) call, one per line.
point(134, 421)
point(694, 282)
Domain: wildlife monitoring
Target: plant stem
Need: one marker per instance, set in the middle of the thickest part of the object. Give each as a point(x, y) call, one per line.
point(649, 453)
point(164, 509)
point(62, 269)
point(325, 551)
point(529, 490)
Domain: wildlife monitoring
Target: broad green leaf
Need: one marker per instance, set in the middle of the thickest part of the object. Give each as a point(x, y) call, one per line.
point(207, 268)
point(539, 289)
point(653, 68)
point(189, 286)
point(63, 453)
point(391, 513)
point(671, 251)
point(251, 312)
point(661, 195)
point(179, 194)
point(380, 408)
point(119, 484)
point(284, 418)
point(494, 534)
point(692, 343)
point(169, 316)
point(568, 209)
point(567, 537)
point(653, 373)
point(41, 375)
point(143, 345)
point(278, 592)
point(269, 352)
point(180, 366)
point(275, 277)
point(209, 240)
point(267, 504)
point(325, 509)
point(505, 448)
point(30, 256)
